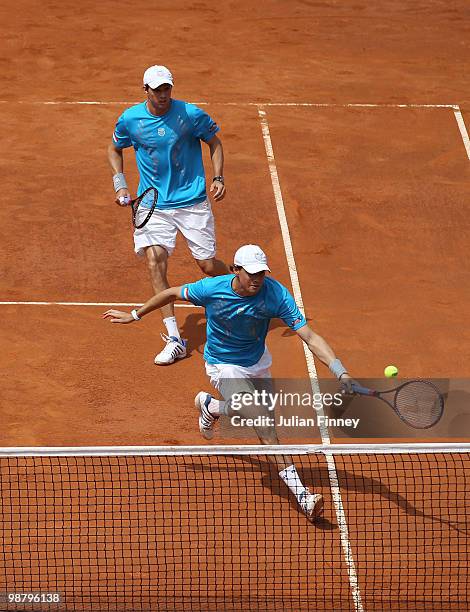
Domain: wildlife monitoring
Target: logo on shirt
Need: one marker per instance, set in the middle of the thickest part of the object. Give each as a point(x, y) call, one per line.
point(241, 309)
point(161, 131)
point(298, 320)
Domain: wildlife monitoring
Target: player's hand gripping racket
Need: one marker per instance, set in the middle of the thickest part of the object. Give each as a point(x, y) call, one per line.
point(142, 207)
point(418, 403)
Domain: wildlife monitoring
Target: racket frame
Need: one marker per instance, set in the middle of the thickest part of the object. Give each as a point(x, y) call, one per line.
point(360, 390)
point(134, 204)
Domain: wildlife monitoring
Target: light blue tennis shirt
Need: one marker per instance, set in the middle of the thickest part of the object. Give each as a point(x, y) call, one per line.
point(237, 326)
point(168, 150)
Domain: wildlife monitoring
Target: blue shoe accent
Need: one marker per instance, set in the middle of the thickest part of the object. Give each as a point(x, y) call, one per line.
point(175, 348)
point(206, 419)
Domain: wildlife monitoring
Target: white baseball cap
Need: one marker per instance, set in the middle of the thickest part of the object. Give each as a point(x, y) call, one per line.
point(156, 76)
point(251, 258)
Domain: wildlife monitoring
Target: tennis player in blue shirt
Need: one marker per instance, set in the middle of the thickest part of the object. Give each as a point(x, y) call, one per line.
point(239, 308)
point(166, 135)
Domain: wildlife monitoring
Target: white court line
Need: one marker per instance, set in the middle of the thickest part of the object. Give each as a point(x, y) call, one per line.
point(257, 104)
point(86, 304)
point(312, 371)
point(325, 436)
point(463, 130)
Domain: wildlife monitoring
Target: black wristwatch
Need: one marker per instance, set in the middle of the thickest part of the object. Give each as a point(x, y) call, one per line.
point(218, 178)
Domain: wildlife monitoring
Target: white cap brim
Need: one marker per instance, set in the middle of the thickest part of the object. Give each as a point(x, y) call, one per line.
point(254, 268)
point(157, 82)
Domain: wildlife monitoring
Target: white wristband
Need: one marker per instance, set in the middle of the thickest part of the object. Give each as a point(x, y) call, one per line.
point(135, 316)
point(337, 368)
point(119, 181)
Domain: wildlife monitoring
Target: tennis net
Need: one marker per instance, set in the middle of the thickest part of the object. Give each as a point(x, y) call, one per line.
point(214, 528)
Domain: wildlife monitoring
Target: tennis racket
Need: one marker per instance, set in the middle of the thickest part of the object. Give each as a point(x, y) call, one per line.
point(418, 403)
point(143, 206)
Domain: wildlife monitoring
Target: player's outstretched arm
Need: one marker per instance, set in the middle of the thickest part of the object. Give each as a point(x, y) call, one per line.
point(320, 348)
point(317, 345)
point(157, 301)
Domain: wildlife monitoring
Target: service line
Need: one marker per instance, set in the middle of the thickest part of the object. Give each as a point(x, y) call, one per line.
point(257, 104)
point(127, 304)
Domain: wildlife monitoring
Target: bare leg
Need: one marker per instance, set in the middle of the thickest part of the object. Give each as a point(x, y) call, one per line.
point(266, 435)
point(311, 504)
point(234, 389)
point(157, 260)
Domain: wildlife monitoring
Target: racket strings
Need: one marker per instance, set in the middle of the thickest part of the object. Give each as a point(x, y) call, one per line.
point(419, 404)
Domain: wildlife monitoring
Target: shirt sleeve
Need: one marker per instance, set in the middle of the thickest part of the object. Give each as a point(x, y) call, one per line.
point(195, 292)
point(121, 138)
point(205, 127)
point(289, 312)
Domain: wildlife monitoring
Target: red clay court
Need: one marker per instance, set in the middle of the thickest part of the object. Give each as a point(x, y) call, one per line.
point(348, 161)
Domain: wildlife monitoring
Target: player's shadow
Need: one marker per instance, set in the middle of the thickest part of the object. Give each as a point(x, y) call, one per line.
point(194, 330)
point(317, 478)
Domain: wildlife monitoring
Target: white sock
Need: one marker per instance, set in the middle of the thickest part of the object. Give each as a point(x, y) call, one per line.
point(290, 476)
point(215, 406)
point(172, 327)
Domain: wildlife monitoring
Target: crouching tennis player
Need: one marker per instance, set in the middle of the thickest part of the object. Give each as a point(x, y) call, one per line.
point(239, 308)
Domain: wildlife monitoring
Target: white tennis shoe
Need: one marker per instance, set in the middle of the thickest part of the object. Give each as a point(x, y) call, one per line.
point(311, 504)
point(175, 349)
point(206, 419)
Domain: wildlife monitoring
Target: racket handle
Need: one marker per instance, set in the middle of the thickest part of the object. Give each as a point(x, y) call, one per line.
point(362, 390)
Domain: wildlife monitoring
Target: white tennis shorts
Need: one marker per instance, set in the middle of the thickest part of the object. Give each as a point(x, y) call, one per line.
point(229, 379)
point(196, 223)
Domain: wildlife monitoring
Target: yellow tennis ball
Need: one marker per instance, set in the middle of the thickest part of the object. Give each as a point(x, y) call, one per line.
point(391, 371)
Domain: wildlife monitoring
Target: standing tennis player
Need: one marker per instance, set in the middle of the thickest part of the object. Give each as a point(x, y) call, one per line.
point(166, 135)
point(239, 308)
